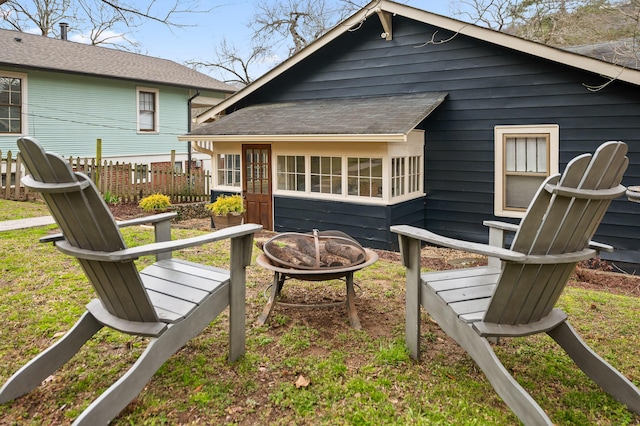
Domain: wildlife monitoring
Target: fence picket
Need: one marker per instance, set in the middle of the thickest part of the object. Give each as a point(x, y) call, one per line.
point(127, 181)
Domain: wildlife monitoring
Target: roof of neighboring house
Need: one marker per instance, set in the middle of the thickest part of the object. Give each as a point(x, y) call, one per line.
point(382, 7)
point(38, 52)
point(375, 115)
point(623, 52)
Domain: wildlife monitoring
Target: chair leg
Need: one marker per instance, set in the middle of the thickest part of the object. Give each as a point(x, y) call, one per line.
point(48, 361)
point(511, 392)
point(410, 248)
point(600, 371)
point(122, 392)
point(108, 405)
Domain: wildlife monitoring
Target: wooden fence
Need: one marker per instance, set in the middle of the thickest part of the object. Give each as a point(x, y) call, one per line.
point(128, 182)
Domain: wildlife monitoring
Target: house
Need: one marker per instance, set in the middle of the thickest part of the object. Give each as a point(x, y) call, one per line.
point(401, 116)
point(68, 95)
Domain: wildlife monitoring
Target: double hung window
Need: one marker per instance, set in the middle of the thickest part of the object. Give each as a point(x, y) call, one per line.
point(147, 110)
point(11, 103)
point(525, 157)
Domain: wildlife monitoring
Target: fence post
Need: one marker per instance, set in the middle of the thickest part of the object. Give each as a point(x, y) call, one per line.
point(18, 191)
point(98, 159)
point(173, 171)
point(7, 179)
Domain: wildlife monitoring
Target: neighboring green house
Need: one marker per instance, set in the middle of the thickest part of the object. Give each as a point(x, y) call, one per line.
point(69, 94)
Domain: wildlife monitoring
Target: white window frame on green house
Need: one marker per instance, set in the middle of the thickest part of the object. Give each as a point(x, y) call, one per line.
point(524, 156)
point(144, 125)
point(9, 115)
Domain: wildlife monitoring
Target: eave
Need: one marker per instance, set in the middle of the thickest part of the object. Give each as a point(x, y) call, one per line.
point(370, 138)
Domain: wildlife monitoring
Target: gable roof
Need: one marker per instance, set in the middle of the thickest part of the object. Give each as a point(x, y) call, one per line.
point(391, 117)
point(380, 7)
point(38, 52)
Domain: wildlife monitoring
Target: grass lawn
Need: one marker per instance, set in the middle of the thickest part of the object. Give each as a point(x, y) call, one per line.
point(306, 366)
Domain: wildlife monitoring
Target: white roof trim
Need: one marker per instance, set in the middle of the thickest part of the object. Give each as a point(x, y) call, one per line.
point(596, 66)
point(392, 137)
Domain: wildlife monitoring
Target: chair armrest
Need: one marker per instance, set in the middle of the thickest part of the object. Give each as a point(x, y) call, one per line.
point(159, 247)
point(146, 219)
point(153, 219)
point(488, 250)
point(600, 247)
point(497, 237)
point(505, 226)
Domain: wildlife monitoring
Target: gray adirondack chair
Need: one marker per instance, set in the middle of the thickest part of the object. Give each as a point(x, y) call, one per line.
point(516, 293)
point(171, 301)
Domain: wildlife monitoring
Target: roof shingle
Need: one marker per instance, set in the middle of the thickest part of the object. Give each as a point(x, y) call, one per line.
point(34, 51)
point(379, 115)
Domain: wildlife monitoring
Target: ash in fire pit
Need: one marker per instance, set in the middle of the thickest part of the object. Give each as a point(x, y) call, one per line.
point(319, 250)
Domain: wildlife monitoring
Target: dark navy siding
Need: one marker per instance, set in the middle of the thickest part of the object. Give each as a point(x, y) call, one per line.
point(368, 224)
point(487, 85)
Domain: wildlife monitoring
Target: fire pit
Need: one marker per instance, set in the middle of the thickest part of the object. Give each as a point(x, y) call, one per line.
point(319, 256)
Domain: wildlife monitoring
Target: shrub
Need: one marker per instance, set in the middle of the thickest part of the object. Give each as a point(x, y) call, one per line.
point(155, 202)
point(226, 204)
point(110, 198)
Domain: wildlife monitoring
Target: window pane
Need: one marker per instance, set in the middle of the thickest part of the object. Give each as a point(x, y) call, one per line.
point(146, 110)
point(10, 105)
point(326, 175)
point(146, 121)
point(526, 154)
point(520, 190)
point(291, 172)
point(228, 169)
point(360, 172)
point(315, 165)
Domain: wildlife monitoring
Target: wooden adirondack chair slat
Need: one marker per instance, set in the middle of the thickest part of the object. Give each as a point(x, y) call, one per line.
point(170, 301)
point(474, 304)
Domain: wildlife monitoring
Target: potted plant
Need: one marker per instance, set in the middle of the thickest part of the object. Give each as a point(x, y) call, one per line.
point(155, 203)
point(227, 210)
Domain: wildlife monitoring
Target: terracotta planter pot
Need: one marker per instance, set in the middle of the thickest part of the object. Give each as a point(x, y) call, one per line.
point(227, 220)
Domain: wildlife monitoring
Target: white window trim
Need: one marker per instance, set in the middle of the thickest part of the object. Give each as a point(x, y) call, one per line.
point(553, 130)
point(156, 115)
point(215, 170)
point(24, 96)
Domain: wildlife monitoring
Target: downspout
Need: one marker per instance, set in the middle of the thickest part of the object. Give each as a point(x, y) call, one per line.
point(188, 131)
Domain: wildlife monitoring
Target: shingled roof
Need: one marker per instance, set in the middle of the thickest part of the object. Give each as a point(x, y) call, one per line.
point(38, 52)
point(375, 115)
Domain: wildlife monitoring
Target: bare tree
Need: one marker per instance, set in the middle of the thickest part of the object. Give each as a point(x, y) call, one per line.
point(44, 14)
point(494, 14)
point(233, 67)
point(296, 21)
point(99, 18)
point(282, 24)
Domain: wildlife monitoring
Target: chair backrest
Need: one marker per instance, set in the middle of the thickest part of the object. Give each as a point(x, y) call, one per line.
point(86, 222)
point(562, 218)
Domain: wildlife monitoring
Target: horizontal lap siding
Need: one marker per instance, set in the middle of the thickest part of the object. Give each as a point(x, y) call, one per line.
point(368, 224)
point(487, 86)
point(67, 113)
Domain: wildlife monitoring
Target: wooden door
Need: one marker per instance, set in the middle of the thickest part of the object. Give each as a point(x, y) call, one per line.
point(256, 184)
